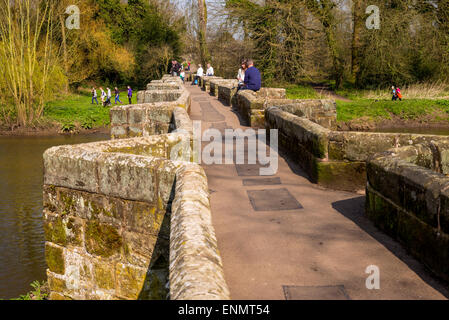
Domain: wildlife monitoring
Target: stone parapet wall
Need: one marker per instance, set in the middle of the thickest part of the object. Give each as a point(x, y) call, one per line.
point(196, 271)
point(408, 198)
point(214, 83)
point(322, 112)
point(205, 82)
point(251, 105)
point(227, 90)
point(144, 120)
point(126, 219)
point(333, 159)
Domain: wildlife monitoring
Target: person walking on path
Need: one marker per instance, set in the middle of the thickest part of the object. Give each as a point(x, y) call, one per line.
point(117, 96)
point(253, 79)
point(399, 94)
point(108, 97)
point(94, 95)
point(103, 96)
point(130, 94)
point(394, 92)
point(210, 70)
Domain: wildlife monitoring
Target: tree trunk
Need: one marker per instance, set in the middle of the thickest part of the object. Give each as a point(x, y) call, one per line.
point(64, 51)
point(357, 16)
point(202, 31)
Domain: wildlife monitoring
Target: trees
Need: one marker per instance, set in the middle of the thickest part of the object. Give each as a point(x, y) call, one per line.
point(116, 43)
point(202, 31)
point(30, 60)
point(327, 40)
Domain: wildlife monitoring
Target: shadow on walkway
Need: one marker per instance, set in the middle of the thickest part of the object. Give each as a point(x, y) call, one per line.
point(354, 210)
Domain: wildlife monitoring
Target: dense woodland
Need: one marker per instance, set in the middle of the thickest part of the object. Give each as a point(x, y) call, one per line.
point(327, 40)
point(292, 41)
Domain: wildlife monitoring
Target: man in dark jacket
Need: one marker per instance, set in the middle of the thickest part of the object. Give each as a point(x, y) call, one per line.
point(253, 80)
point(176, 68)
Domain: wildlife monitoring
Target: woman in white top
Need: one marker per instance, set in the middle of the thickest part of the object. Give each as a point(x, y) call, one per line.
point(103, 95)
point(199, 74)
point(210, 70)
point(241, 73)
point(200, 71)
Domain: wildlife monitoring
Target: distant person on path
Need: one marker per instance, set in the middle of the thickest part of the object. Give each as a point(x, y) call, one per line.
point(210, 70)
point(117, 96)
point(130, 95)
point(394, 92)
point(103, 96)
point(253, 79)
point(188, 66)
point(241, 74)
point(94, 95)
point(199, 74)
point(399, 94)
point(108, 97)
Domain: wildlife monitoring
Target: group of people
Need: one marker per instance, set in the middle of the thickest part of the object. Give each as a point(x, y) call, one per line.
point(200, 72)
point(396, 93)
point(178, 70)
point(106, 96)
point(249, 76)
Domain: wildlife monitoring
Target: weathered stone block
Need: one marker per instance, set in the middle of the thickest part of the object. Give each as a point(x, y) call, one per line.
point(341, 175)
point(56, 284)
point(54, 256)
point(382, 212)
point(130, 281)
point(426, 243)
point(102, 240)
point(71, 167)
point(138, 247)
point(104, 275)
point(127, 177)
point(63, 230)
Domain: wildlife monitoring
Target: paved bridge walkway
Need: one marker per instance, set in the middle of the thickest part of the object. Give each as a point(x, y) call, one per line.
point(283, 237)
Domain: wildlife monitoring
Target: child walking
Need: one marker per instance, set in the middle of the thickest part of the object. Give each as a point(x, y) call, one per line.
point(117, 96)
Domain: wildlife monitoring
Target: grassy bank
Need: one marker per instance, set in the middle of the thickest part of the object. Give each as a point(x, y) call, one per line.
point(70, 113)
point(295, 91)
point(423, 103)
point(76, 112)
point(377, 110)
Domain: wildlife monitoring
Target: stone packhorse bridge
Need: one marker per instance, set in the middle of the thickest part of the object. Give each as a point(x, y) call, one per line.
point(123, 221)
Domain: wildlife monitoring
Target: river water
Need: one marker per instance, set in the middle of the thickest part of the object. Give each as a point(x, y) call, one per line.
point(22, 258)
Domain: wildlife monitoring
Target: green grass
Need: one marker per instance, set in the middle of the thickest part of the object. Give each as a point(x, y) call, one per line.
point(76, 111)
point(301, 92)
point(385, 109)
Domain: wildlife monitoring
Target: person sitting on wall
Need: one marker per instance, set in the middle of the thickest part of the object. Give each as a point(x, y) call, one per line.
point(210, 70)
point(199, 74)
point(241, 74)
point(253, 79)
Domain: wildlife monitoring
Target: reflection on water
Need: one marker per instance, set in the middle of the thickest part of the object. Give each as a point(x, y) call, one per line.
point(22, 241)
point(432, 131)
